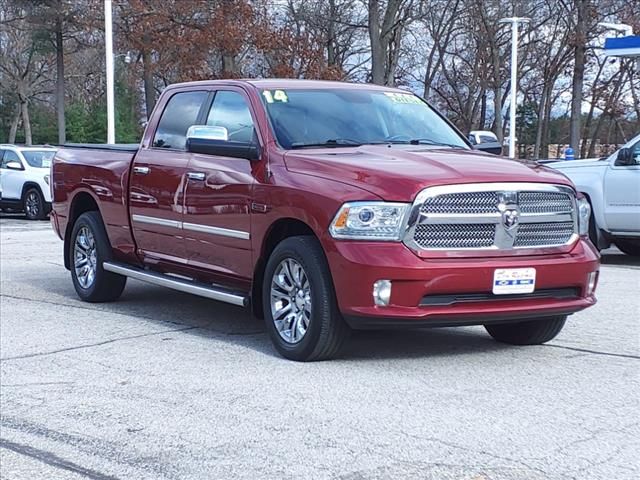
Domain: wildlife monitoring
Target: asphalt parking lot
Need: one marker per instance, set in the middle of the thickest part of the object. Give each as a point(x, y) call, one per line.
point(163, 385)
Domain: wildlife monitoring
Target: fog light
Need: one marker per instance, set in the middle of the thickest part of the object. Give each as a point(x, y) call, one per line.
point(592, 281)
point(382, 292)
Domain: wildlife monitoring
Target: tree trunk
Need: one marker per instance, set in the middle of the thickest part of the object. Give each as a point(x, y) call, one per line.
point(378, 53)
point(13, 130)
point(541, 125)
point(578, 77)
point(147, 76)
point(26, 123)
point(62, 138)
point(229, 65)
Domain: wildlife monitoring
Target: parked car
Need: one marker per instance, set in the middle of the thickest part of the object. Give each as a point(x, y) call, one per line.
point(612, 186)
point(485, 141)
point(24, 180)
point(325, 206)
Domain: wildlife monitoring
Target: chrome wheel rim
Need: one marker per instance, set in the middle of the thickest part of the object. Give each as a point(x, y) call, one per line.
point(32, 204)
point(85, 257)
point(291, 300)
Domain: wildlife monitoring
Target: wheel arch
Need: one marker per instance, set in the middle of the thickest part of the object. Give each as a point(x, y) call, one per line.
point(27, 186)
point(279, 230)
point(82, 202)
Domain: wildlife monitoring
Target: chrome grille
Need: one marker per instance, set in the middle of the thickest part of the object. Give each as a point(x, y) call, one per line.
point(468, 202)
point(544, 202)
point(479, 235)
point(492, 216)
point(539, 234)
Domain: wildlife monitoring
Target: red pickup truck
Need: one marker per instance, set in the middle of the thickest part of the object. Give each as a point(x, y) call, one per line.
point(323, 207)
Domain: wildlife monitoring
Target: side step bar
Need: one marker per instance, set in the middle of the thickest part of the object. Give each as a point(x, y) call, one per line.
point(195, 288)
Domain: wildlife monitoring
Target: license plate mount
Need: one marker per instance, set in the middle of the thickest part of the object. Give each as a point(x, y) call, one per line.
point(512, 281)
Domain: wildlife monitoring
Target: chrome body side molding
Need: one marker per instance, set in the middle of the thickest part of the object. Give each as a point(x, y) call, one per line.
point(195, 227)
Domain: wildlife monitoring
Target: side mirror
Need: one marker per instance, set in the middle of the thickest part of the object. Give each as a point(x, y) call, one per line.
point(625, 157)
point(14, 166)
point(489, 147)
point(215, 141)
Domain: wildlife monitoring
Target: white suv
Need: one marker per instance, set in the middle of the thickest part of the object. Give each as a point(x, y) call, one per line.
point(24, 179)
point(612, 185)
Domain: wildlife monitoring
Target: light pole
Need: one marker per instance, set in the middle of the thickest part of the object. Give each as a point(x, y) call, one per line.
point(514, 79)
point(108, 40)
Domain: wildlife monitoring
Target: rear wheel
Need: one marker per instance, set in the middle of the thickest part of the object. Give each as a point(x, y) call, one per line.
point(33, 205)
point(530, 332)
point(299, 302)
point(89, 249)
point(630, 247)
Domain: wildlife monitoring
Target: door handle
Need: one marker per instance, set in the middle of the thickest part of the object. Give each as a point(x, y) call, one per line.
point(141, 170)
point(195, 176)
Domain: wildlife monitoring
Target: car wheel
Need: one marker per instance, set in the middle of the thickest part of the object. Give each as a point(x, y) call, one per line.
point(299, 302)
point(33, 205)
point(630, 247)
point(530, 332)
point(89, 249)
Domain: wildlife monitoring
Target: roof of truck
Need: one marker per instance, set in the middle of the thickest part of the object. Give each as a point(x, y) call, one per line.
point(288, 83)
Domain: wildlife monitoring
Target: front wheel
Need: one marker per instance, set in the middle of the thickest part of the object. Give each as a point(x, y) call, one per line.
point(630, 247)
point(89, 249)
point(33, 205)
point(530, 332)
point(299, 302)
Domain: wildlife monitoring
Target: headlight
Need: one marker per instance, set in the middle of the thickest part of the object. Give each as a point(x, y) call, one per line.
point(46, 179)
point(370, 221)
point(584, 213)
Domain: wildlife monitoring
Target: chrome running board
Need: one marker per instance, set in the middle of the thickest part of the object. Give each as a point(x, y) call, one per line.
point(195, 288)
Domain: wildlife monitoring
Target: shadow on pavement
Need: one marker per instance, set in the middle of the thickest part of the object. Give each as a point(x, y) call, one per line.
point(235, 325)
point(615, 257)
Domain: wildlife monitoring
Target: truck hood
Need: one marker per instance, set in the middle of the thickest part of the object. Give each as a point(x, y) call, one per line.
point(569, 164)
point(398, 173)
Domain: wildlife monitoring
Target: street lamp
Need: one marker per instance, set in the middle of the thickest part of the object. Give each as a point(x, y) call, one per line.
point(514, 21)
point(108, 40)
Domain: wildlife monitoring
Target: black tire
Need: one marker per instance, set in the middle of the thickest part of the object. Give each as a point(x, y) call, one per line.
point(630, 247)
point(530, 332)
point(593, 231)
point(106, 286)
point(33, 204)
point(327, 330)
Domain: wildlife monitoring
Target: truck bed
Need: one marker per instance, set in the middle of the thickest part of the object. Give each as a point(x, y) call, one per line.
point(101, 173)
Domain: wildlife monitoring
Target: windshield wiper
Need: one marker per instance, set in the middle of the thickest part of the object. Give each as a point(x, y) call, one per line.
point(334, 142)
point(428, 141)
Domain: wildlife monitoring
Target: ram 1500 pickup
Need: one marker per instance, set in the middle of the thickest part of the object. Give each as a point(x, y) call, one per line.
point(325, 207)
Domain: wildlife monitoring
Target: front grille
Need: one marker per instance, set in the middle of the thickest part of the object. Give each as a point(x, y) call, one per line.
point(478, 235)
point(478, 216)
point(467, 202)
point(544, 202)
point(539, 234)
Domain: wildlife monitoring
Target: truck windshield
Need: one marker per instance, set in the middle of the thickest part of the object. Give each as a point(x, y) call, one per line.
point(38, 158)
point(304, 118)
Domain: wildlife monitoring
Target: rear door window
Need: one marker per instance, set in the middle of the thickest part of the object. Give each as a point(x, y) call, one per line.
point(180, 113)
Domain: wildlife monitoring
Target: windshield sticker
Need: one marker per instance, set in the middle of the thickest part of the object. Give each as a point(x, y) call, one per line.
point(275, 96)
point(46, 162)
point(403, 98)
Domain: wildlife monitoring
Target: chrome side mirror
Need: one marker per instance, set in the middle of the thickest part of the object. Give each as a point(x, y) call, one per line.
point(215, 141)
point(205, 132)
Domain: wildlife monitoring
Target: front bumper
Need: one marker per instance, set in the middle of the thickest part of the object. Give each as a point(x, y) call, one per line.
point(355, 266)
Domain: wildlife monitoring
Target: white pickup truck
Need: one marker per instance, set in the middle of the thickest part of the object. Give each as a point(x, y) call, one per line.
point(612, 185)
